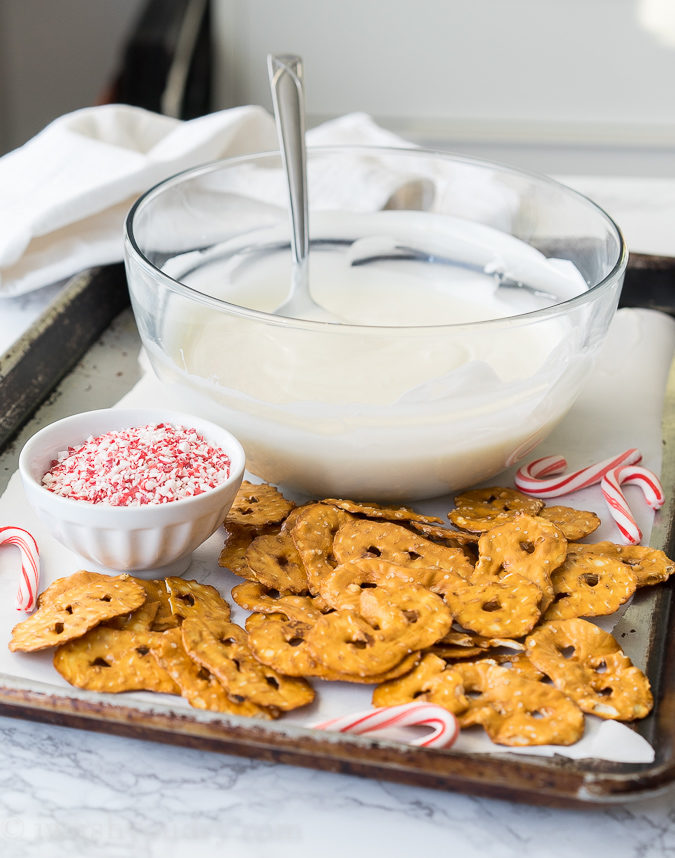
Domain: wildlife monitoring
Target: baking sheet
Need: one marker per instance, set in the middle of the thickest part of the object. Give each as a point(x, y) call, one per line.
point(620, 408)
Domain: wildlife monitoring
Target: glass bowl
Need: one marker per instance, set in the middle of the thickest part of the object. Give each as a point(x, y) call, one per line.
point(468, 301)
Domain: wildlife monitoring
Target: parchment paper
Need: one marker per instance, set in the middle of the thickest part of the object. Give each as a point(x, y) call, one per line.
point(620, 407)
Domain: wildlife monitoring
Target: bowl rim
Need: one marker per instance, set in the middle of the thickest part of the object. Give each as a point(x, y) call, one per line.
point(80, 508)
point(133, 250)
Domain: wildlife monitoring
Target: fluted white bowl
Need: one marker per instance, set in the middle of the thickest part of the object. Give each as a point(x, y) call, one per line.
point(151, 540)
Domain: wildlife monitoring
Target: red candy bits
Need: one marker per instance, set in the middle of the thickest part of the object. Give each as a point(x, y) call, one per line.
point(152, 464)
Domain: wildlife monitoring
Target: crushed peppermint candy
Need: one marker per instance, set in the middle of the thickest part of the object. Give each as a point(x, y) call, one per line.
point(152, 464)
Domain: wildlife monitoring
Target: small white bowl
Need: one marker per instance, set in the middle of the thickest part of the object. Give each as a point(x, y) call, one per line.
point(153, 540)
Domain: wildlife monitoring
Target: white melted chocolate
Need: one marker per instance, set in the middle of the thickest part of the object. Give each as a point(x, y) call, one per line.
point(406, 398)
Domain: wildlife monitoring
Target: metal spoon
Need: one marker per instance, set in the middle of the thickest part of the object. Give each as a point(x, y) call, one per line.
point(288, 97)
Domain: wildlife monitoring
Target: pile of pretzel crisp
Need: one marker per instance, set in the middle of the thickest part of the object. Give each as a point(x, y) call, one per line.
point(488, 619)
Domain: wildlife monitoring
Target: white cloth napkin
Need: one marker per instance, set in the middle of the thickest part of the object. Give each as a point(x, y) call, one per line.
point(65, 193)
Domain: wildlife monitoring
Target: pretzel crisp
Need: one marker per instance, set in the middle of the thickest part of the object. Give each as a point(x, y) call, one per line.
point(588, 665)
point(281, 643)
point(238, 537)
point(650, 565)
point(391, 623)
point(508, 607)
point(313, 533)
point(224, 651)
point(188, 598)
point(153, 615)
point(113, 660)
point(199, 687)
point(513, 710)
point(257, 505)
point(461, 645)
point(573, 523)
point(520, 711)
point(164, 618)
point(528, 545)
point(481, 509)
point(274, 561)
point(444, 535)
point(64, 585)
point(72, 609)
point(590, 585)
point(519, 663)
point(373, 510)
point(279, 626)
point(360, 539)
point(483, 620)
point(258, 598)
point(140, 620)
point(343, 587)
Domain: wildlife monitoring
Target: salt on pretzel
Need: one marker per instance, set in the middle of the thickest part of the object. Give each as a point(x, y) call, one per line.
point(588, 665)
point(590, 585)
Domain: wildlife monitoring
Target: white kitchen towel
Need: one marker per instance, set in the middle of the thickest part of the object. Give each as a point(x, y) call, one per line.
point(64, 194)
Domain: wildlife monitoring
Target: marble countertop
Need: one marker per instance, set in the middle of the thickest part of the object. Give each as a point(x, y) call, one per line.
point(66, 792)
point(70, 792)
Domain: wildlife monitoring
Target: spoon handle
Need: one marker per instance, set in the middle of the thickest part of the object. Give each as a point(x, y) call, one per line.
point(288, 96)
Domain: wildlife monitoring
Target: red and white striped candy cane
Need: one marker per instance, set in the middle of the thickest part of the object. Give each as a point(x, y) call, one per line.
point(26, 597)
point(616, 500)
point(445, 732)
point(542, 477)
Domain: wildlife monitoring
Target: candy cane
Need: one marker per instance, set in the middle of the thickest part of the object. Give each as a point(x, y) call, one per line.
point(26, 596)
point(617, 503)
point(529, 477)
point(444, 723)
